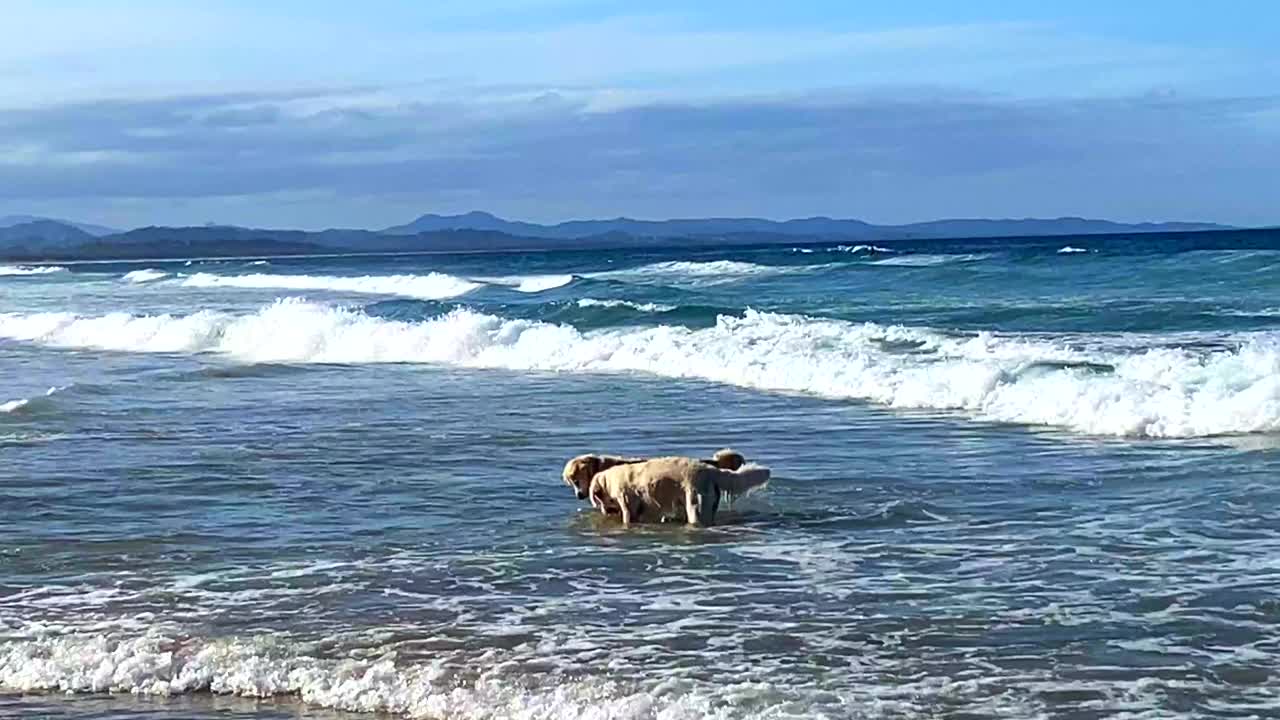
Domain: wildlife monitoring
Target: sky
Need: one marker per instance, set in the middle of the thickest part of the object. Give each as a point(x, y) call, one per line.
point(337, 114)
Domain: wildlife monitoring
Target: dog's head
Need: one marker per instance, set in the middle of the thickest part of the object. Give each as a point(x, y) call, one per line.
point(579, 471)
point(727, 459)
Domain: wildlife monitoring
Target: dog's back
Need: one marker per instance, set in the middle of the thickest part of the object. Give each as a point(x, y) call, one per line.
point(663, 487)
point(659, 487)
point(672, 487)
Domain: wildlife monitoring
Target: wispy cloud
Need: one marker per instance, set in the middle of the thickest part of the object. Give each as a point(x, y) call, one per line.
point(289, 114)
point(83, 50)
point(871, 156)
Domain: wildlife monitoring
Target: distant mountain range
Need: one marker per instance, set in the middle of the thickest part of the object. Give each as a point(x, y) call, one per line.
point(32, 238)
point(821, 227)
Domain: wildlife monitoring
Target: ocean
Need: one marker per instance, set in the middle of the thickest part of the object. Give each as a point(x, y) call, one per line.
point(1013, 478)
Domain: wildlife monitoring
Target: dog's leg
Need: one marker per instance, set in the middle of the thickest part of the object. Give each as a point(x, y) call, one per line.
point(691, 507)
point(599, 499)
point(637, 509)
point(708, 496)
point(626, 512)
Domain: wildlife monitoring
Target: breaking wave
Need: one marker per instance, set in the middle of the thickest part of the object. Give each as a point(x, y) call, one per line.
point(1069, 250)
point(927, 260)
point(432, 286)
point(859, 249)
point(145, 275)
point(441, 286)
point(22, 403)
point(851, 249)
point(1154, 392)
point(30, 269)
point(12, 405)
point(529, 283)
point(684, 272)
point(160, 665)
point(642, 307)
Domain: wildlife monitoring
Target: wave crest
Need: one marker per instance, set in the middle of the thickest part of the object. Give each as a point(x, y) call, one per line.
point(144, 276)
point(432, 286)
point(697, 274)
point(22, 403)
point(1157, 392)
point(529, 283)
point(641, 307)
point(260, 667)
point(928, 260)
point(860, 249)
point(30, 269)
point(13, 405)
point(161, 663)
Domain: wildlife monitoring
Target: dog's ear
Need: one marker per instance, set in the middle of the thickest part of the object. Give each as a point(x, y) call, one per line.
point(727, 459)
point(592, 492)
point(596, 494)
point(570, 474)
point(586, 468)
point(581, 467)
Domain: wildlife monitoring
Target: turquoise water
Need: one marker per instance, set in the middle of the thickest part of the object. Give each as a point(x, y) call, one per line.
point(1012, 478)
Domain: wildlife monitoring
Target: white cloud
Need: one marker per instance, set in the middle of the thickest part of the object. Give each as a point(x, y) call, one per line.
point(363, 112)
point(885, 156)
point(81, 50)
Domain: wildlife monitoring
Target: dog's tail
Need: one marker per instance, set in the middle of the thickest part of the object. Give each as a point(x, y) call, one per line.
point(743, 481)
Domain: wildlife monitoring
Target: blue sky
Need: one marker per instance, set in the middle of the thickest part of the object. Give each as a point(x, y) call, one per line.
point(319, 114)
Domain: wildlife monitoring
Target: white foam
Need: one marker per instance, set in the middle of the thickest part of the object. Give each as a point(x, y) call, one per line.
point(160, 664)
point(642, 307)
point(851, 249)
point(1068, 250)
point(11, 405)
point(30, 269)
point(432, 286)
point(258, 668)
point(1264, 312)
point(529, 283)
point(927, 260)
point(145, 275)
point(713, 272)
point(1159, 392)
point(14, 405)
point(860, 249)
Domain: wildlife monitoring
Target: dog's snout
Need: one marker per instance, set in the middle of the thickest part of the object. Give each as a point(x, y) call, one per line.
point(581, 495)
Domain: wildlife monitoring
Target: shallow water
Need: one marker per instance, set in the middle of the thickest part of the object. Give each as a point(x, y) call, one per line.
point(1009, 482)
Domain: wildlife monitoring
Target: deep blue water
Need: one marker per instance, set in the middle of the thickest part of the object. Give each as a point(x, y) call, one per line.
point(1013, 478)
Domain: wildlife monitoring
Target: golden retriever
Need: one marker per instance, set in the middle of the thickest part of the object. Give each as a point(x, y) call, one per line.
point(579, 470)
point(671, 487)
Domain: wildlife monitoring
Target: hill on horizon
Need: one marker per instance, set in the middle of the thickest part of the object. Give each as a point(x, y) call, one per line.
point(8, 221)
point(479, 231)
point(813, 226)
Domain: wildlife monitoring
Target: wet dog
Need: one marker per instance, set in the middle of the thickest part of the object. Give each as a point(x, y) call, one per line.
point(671, 487)
point(579, 470)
